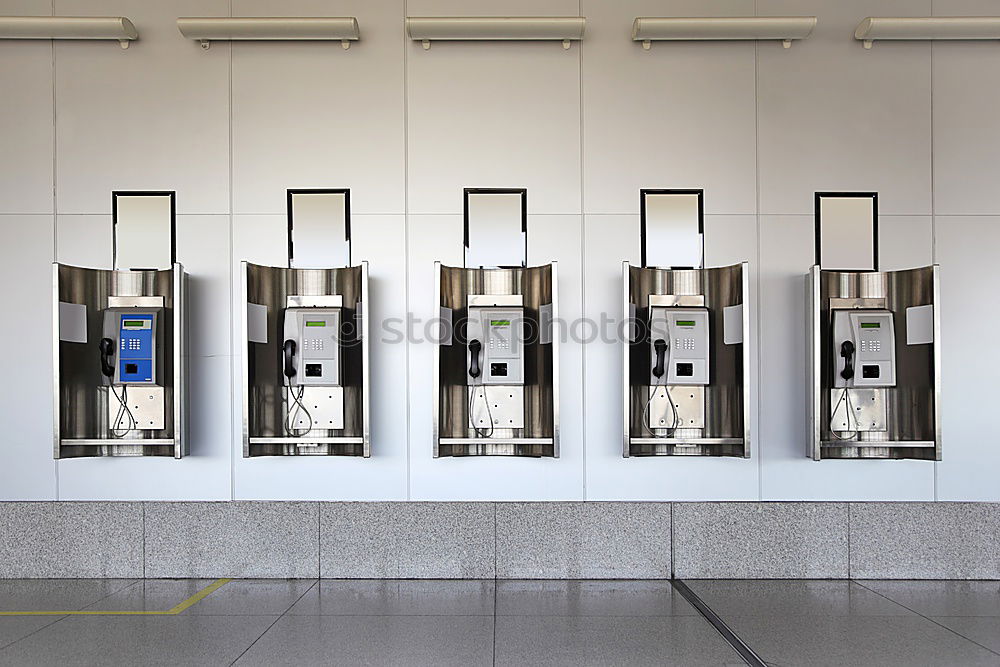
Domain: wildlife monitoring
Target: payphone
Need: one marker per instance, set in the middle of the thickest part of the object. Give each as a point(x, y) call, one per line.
point(495, 363)
point(874, 360)
point(310, 363)
point(679, 366)
point(864, 364)
point(686, 361)
point(131, 365)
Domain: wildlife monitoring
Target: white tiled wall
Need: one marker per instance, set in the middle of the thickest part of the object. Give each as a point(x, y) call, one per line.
point(759, 127)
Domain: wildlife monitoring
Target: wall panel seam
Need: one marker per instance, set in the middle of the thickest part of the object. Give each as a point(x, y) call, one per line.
point(142, 513)
point(673, 560)
point(583, 265)
point(236, 437)
point(55, 203)
point(406, 247)
point(756, 444)
point(850, 507)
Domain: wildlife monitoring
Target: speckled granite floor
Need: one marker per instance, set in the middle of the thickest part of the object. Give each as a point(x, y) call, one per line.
point(487, 622)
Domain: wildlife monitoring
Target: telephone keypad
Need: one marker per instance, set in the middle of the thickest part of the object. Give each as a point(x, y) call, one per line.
point(871, 346)
point(315, 344)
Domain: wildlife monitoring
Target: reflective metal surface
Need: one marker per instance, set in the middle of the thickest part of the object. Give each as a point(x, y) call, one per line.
point(540, 435)
point(912, 424)
point(726, 429)
point(81, 422)
point(263, 391)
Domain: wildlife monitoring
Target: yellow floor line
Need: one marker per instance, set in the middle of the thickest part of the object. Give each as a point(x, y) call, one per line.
point(173, 611)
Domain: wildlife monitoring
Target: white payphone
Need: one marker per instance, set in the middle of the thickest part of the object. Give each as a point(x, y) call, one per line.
point(495, 363)
point(311, 365)
point(679, 352)
point(130, 358)
point(864, 364)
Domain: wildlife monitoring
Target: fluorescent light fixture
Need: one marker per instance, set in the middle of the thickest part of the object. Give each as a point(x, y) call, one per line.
point(927, 27)
point(648, 29)
point(68, 27)
point(451, 28)
point(207, 29)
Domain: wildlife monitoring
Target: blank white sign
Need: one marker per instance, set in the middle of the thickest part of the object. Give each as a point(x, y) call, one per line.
point(319, 230)
point(847, 233)
point(72, 322)
point(496, 230)
point(920, 325)
point(143, 231)
point(671, 235)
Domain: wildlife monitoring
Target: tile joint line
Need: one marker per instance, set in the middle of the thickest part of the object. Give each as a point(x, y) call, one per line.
point(741, 647)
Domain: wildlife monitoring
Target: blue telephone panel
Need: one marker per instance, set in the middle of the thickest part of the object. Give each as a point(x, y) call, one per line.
point(135, 349)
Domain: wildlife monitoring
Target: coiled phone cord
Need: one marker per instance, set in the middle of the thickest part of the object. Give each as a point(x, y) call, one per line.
point(123, 410)
point(844, 399)
point(661, 382)
point(293, 411)
point(489, 412)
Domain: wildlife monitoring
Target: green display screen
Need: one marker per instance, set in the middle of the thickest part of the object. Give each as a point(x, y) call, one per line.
point(870, 325)
point(134, 323)
point(685, 323)
point(499, 323)
point(315, 323)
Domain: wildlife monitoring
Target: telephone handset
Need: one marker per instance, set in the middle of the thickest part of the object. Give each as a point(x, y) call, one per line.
point(660, 347)
point(475, 349)
point(847, 352)
point(107, 347)
point(289, 354)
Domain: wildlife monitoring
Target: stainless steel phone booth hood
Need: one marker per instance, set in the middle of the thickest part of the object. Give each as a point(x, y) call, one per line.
point(496, 368)
point(874, 364)
point(686, 380)
point(305, 366)
point(119, 362)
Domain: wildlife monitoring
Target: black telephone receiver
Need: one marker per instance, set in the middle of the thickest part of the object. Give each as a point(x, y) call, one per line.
point(475, 347)
point(289, 352)
point(107, 347)
point(660, 346)
point(847, 352)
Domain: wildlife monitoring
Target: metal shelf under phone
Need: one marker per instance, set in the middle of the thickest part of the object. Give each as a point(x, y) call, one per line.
point(308, 442)
point(111, 442)
point(496, 441)
point(694, 442)
point(867, 444)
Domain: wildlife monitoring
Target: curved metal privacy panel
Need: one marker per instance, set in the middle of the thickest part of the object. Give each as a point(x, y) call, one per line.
point(913, 405)
point(80, 397)
point(266, 289)
point(726, 397)
point(452, 434)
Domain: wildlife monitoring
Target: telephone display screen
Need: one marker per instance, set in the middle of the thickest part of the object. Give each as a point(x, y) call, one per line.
point(685, 323)
point(499, 323)
point(315, 323)
point(870, 325)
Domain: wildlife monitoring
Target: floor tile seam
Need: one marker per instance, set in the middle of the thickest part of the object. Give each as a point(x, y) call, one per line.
point(486, 615)
point(930, 619)
point(275, 622)
point(623, 616)
point(386, 615)
point(257, 639)
point(31, 634)
point(125, 587)
point(62, 618)
point(735, 642)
